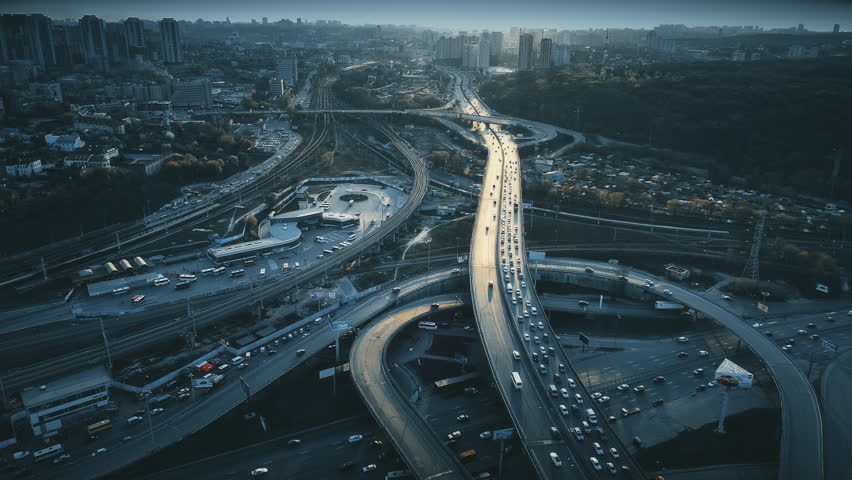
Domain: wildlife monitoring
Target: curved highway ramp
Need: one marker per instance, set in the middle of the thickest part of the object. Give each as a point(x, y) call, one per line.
point(422, 450)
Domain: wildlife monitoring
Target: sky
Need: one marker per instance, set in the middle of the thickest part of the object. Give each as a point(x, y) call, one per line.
point(819, 15)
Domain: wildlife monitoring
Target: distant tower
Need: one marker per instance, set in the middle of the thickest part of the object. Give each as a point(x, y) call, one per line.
point(752, 266)
point(546, 54)
point(836, 28)
point(170, 41)
point(525, 52)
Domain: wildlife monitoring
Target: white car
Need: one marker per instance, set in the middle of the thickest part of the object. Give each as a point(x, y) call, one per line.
point(516, 354)
point(156, 411)
point(99, 451)
point(595, 463)
point(571, 383)
point(523, 284)
point(369, 468)
point(578, 434)
point(527, 337)
point(597, 447)
point(557, 462)
point(682, 339)
point(578, 398)
point(564, 392)
point(355, 438)
point(703, 353)
point(564, 410)
point(667, 291)
point(259, 471)
point(485, 434)
point(614, 452)
point(623, 387)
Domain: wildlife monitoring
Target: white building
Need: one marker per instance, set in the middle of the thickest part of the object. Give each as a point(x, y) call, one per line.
point(24, 169)
point(66, 143)
point(277, 87)
point(78, 392)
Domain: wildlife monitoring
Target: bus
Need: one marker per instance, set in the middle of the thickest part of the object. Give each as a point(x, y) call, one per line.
point(159, 282)
point(207, 270)
point(516, 380)
point(49, 452)
point(398, 474)
point(427, 325)
point(120, 290)
point(327, 252)
point(218, 270)
point(182, 285)
point(98, 427)
point(237, 273)
point(188, 277)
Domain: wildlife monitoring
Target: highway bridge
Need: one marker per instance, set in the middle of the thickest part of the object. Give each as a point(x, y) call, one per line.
point(420, 447)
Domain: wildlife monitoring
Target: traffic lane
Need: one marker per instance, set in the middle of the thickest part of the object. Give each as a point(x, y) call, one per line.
point(802, 423)
point(323, 449)
point(422, 450)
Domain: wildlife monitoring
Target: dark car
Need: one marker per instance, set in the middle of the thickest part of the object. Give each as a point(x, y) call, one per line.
point(659, 379)
point(554, 432)
point(294, 443)
point(701, 388)
point(657, 402)
point(812, 325)
point(682, 355)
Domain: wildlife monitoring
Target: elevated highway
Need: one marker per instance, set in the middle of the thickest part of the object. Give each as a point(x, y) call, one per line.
point(420, 447)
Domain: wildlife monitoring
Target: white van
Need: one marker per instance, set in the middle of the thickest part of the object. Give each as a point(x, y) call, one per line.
point(237, 360)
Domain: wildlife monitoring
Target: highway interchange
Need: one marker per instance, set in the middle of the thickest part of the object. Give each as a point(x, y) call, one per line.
point(506, 324)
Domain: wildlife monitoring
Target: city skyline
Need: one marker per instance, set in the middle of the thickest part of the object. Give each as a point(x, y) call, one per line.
point(570, 14)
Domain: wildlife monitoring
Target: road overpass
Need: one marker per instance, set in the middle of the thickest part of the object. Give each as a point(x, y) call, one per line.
point(417, 443)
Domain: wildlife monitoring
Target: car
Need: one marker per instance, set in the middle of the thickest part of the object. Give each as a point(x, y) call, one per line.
point(801, 332)
point(471, 390)
point(659, 379)
point(557, 462)
point(571, 383)
point(701, 388)
point(578, 434)
point(564, 392)
point(768, 333)
point(611, 418)
point(369, 468)
point(787, 348)
point(813, 337)
point(242, 365)
point(485, 434)
point(61, 458)
point(614, 452)
point(603, 400)
point(540, 324)
point(595, 463)
point(812, 325)
point(727, 297)
point(611, 468)
point(523, 284)
point(682, 354)
point(516, 355)
point(682, 339)
point(462, 418)
point(137, 299)
point(454, 435)
point(711, 384)
point(623, 387)
point(597, 447)
point(526, 337)
point(639, 388)
point(667, 291)
point(99, 451)
point(259, 471)
point(157, 411)
point(791, 341)
point(698, 371)
point(597, 395)
point(589, 270)
point(657, 402)
point(578, 398)
point(564, 409)
point(703, 353)
point(355, 438)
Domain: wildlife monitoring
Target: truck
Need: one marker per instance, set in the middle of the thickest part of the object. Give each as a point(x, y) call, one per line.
point(660, 305)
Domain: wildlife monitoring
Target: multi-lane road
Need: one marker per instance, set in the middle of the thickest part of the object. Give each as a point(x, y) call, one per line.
point(421, 448)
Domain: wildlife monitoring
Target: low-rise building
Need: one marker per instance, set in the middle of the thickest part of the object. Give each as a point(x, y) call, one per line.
point(24, 169)
point(75, 393)
point(65, 143)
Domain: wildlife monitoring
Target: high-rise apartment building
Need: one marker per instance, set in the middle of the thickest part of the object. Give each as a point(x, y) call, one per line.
point(116, 36)
point(171, 50)
point(93, 34)
point(836, 28)
point(198, 93)
point(287, 69)
point(545, 59)
point(525, 52)
point(495, 43)
point(27, 38)
point(134, 34)
point(561, 55)
point(470, 56)
point(484, 55)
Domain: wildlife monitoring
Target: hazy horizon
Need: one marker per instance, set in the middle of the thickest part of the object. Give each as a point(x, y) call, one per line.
point(817, 15)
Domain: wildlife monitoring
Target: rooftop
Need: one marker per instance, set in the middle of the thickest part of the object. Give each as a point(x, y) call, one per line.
point(65, 386)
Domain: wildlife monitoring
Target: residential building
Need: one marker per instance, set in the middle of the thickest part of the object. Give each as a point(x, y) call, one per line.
point(26, 38)
point(198, 93)
point(93, 34)
point(800, 51)
point(24, 169)
point(495, 43)
point(88, 160)
point(287, 69)
point(545, 59)
point(525, 52)
point(836, 28)
point(134, 35)
point(117, 50)
point(561, 55)
point(65, 143)
point(470, 56)
point(277, 87)
point(170, 43)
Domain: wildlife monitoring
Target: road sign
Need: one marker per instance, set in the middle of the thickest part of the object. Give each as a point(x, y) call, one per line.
point(763, 307)
point(341, 325)
point(506, 434)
